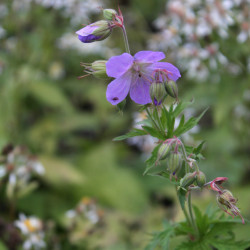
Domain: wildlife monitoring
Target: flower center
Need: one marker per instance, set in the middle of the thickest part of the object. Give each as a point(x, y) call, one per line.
point(29, 225)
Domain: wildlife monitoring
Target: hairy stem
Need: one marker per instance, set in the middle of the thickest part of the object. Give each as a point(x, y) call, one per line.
point(192, 215)
point(151, 118)
point(125, 37)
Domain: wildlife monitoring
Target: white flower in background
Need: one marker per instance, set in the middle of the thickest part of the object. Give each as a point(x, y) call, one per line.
point(18, 166)
point(76, 10)
point(69, 41)
point(193, 22)
point(32, 230)
point(86, 207)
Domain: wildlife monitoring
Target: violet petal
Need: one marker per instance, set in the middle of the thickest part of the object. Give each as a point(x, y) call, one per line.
point(118, 89)
point(149, 56)
point(116, 66)
point(140, 91)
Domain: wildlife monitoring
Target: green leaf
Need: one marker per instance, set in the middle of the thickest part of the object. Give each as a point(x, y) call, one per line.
point(132, 133)
point(198, 149)
point(189, 124)
point(152, 159)
point(153, 132)
point(162, 238)
point(165, 175)
point(180, 107)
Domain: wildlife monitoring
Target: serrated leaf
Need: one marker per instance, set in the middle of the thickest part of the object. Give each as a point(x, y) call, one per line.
point(153, 132)
point(198, 149)
point(202, 221)
point(152, 159)
point(132, 133)
point(189, 124)
point(161, 238)
point(165, 175)
point(180, 107)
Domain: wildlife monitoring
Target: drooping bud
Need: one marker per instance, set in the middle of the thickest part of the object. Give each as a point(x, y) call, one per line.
point(174, 162)
point(164, 151)
point(109, 14)
point(171, 88)
point(200, 179)
point(157, 93)
point(226, 201)
point(95, 32)
point(188, 179)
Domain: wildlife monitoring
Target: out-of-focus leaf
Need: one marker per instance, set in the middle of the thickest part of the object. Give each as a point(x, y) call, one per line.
point(132, 133)
point(27, 189)
point(111, 184)
point(60, 172)
point(49, 95)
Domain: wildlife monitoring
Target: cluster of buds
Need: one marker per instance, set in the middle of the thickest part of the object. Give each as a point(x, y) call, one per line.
point(87, 208)
point(176, 161)
point(17, 167)
point(100, 30)
point(32, 230)
point(225, 199)
point(162, 86)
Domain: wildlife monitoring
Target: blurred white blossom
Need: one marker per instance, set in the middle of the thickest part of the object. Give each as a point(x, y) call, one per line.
point(188, 29)
point(86, 207)
point(32, 231)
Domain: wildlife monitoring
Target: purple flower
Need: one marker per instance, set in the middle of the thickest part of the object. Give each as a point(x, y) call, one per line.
point(134, 75)
point(95, 32)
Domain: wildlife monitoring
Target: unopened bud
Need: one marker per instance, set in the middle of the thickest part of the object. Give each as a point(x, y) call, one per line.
point(103, 29)
point(171, 88)
point(174, 162)
point(109, 14)
point(200, 179)
point(163, 151)
point(227, 197)
point(95, 32)
point(157, 93)
point(99, 69)
point(188, 179)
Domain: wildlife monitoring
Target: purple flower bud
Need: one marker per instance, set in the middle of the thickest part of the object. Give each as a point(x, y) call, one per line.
point(157, 93)
point(95, 32)
point(174, 162)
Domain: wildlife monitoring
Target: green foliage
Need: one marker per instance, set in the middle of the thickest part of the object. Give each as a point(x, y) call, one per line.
point(134, 132)
point(162, 239)
point(214, 232)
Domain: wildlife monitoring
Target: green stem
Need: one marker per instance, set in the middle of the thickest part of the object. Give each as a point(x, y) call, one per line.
point(192, 215)
point(159, 123)
point(125, 39)
point(151, 118)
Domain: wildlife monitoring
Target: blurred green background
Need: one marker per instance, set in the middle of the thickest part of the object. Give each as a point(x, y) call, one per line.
point(69, 124)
